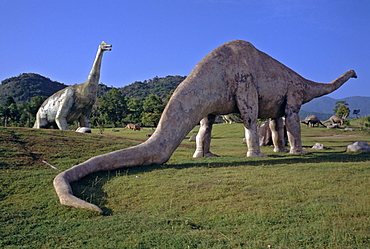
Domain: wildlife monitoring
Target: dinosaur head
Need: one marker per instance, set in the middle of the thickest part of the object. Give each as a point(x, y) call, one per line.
point(354, 75)
point(105, 47)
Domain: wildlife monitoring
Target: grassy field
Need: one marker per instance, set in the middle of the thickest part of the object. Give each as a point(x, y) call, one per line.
point(317, 200)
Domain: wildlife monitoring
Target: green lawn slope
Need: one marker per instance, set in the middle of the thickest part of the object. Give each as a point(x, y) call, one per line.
point(317, 200)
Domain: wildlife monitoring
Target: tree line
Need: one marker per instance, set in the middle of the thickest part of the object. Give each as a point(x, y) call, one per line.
point(113, 109)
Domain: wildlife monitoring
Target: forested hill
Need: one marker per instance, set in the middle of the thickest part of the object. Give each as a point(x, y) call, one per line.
point(158, 86)
point(27, 85)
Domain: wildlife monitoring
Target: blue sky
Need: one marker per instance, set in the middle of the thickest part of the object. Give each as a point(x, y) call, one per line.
point(319, 39)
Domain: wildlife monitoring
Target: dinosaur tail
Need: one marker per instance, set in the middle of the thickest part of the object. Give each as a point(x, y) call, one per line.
point(138, 155)
point(171, 130)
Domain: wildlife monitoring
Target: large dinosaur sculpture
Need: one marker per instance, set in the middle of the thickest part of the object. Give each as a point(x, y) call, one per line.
point(235, 77)
point(73, 102)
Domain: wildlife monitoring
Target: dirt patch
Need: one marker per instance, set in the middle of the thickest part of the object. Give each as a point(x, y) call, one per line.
point(335, 136)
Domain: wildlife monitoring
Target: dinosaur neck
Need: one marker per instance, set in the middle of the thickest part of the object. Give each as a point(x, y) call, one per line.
point(315, 90)
point(95, 70)
point(181, 115)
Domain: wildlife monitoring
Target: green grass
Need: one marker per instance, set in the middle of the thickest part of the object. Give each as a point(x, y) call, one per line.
point(317, 200)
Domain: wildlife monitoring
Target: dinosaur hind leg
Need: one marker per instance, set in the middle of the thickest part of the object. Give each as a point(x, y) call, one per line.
point(40, 122)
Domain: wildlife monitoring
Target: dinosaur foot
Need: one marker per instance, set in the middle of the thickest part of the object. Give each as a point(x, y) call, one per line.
point(282, 149)
point(199, 154)
point(210, 154)
point(252, 153)
point(297, 151)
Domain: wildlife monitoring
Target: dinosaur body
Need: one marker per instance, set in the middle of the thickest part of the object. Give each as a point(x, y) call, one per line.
point(73, 102)
point(235, 77)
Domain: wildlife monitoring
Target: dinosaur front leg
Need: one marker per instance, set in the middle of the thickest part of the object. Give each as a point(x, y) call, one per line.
point(277, 131)
point(203, 140)
point(84, 119)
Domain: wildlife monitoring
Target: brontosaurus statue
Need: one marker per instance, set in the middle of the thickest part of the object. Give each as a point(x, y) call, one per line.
point(73, 102)
point(235, 77)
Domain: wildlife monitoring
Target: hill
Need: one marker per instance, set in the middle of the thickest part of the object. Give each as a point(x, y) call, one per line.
point(327, 104)
point(27, 85)
point(158, 86)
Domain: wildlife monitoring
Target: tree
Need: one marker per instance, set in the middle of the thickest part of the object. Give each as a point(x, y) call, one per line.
point(356, 112)
point(134, 111)
point(30, 109)
point(9, 112)
point(8, 101)
point(341, 109)
point(97, 118)
point(114, 107)
point(13, 114)
point(152, 110)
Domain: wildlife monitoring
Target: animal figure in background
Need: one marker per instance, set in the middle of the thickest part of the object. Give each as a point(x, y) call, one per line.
point(73, 102)
point(335, 120)
point(310, 121)
point(230, 118)
point(135, 127)
point(265, 134)
point(235, 77)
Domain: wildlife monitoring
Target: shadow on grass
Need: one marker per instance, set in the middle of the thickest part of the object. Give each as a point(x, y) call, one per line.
point(90, 188)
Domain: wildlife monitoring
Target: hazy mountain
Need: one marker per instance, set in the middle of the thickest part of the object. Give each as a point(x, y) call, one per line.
point(327, 104)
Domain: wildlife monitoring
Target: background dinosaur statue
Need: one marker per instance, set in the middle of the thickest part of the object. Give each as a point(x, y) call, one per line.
point(235, 77)
point(335, 120)
point(265, 134)
point(231, 118)
point(73, 102)
point(135, 127)
point(311, 121)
